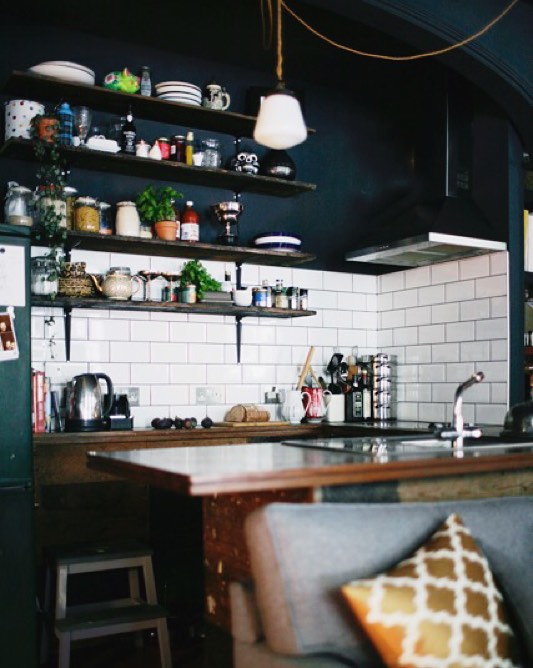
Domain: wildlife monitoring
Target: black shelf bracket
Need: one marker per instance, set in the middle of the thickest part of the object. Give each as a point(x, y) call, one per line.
point(67, 311)
point(238, 326)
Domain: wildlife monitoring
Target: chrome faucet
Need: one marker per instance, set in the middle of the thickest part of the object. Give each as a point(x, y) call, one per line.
point(457, 431)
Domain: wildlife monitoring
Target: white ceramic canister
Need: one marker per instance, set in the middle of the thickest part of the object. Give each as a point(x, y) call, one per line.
point(18, 115)
point(127, 222)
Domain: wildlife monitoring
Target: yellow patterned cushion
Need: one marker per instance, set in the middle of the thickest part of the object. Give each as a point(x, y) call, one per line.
point(440, 608)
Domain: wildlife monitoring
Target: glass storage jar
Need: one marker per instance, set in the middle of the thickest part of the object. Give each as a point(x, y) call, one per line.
point(44, 280)
point(86, 215)
point(70, 194)
point(48, 199)
point(211, 153)
point(18, 207)
point(127, 222)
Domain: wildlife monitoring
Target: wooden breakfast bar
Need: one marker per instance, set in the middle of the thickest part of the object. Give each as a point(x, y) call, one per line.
point(232, 480)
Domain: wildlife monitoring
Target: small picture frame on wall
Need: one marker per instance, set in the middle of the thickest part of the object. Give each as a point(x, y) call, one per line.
point(255, 95)
point(8, 340)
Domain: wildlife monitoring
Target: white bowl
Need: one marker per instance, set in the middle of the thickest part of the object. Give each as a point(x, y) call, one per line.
point(64, 72)
point(242, 297)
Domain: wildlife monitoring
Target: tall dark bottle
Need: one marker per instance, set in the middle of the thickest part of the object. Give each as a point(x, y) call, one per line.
point(128, 135)
point(354, 401)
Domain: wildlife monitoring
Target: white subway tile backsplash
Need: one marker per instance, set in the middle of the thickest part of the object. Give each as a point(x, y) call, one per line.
point(405, 336)
point(433, 294)
point(498, 307)
point(459, 291)
point(475, 309)
point(495, 328)
point(499, 263)
point(493, 414)
point(418, 277)
point(188, 374)
point(445, 272)
point(155, 374)
point(188, 331)
point(227, 374)
point(363, 283)
point(418, 316)
point(163, 395)
point(440, 323)
point(431, 334)
point(110, 330)
point(129, 351)
point(384, 302)
point(460, 331)
point(405, 299)
point(475, 351)
point(168, 353)
point(417, 355)
point(492, 286)
point(391, 282)
point(445, 313)
point(90, 351)
point(474, 267)
point(445, 352)
point(243, 394)
point(337, 281)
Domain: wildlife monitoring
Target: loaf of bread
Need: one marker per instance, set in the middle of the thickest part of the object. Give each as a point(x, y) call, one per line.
point(247, 413)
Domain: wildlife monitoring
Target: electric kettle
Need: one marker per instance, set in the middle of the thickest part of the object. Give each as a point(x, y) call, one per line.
point(84, 405)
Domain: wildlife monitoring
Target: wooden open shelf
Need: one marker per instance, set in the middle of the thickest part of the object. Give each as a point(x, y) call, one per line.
point(162, 170)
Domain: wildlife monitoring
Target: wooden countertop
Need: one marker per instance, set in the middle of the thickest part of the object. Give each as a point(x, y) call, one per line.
point(198, 471)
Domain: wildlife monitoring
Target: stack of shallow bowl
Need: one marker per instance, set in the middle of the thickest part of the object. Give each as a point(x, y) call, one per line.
point(179, 91)
point(277, 241)
point(65, 70)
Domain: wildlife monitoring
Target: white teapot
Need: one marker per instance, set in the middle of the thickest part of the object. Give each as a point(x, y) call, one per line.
point(293, 408)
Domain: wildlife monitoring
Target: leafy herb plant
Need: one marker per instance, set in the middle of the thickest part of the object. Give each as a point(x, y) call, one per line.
point(194, 273)
point(51, 181)
point(157, 204)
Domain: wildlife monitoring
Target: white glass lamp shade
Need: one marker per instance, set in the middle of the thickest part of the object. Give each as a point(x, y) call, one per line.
point(280, 123)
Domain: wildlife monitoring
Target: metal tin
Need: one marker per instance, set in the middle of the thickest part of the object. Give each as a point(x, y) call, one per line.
point(259, 297)
point(188, 294)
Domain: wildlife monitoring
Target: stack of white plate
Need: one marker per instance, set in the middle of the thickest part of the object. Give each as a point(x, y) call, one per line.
point(277, 241)
point(63, 69)
point(179, 91)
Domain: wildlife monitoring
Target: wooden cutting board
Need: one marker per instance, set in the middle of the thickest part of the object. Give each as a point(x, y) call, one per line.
point(251, 424)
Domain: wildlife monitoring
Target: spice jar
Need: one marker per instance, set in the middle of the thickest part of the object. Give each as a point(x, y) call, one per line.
point(18, 205)
point(127, 222)
point(86, 215)
point(164, 147)
point(70, 194)
point(177, 148)
point(44, 280)
point(105, 218)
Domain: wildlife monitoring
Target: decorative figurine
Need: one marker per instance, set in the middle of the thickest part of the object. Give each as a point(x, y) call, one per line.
point(245, 162)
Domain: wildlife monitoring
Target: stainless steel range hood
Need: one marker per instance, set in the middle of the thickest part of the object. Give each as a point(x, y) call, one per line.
point(424, 249)
point(435, 218)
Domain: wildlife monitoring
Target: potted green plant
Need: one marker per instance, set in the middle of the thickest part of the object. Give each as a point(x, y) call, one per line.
point(156, 207)
point(51, 227)
point(194, 273)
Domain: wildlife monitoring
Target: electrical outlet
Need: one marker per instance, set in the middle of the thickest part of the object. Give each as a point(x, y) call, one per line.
point(209, 395)
point(134, 394)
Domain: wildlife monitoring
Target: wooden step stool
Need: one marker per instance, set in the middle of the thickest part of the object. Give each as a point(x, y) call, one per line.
point(76, 622)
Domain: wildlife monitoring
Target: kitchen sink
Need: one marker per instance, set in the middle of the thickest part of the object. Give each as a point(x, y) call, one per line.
point(395, 447)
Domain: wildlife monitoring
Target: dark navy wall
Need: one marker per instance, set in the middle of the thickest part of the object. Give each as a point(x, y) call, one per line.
point(380, 133)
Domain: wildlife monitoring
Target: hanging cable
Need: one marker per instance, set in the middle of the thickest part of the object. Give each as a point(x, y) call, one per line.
point(417, 56)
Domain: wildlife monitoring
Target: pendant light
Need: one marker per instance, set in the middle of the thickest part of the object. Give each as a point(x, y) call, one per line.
point(280, 123)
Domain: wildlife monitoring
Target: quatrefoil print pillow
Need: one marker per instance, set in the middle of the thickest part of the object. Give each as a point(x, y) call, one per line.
point(440, 608)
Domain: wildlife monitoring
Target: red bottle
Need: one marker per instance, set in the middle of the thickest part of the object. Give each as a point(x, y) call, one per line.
point(190, 223)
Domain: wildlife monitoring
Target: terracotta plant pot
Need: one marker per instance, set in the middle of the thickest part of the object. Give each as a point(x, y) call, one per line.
point(166, 229)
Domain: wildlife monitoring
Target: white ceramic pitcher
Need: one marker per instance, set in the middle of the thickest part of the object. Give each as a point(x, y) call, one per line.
point(293, 407)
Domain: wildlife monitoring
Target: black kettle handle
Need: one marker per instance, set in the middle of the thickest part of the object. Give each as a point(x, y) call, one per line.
point(110, 394)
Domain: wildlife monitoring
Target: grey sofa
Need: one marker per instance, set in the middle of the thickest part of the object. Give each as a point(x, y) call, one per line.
point(292, 613)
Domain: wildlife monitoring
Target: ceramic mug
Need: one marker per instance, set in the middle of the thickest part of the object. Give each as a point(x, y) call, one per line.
point(18, 115)
point(316, 407)
point(294, 405)
point(215, 97)
point(336, 408)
